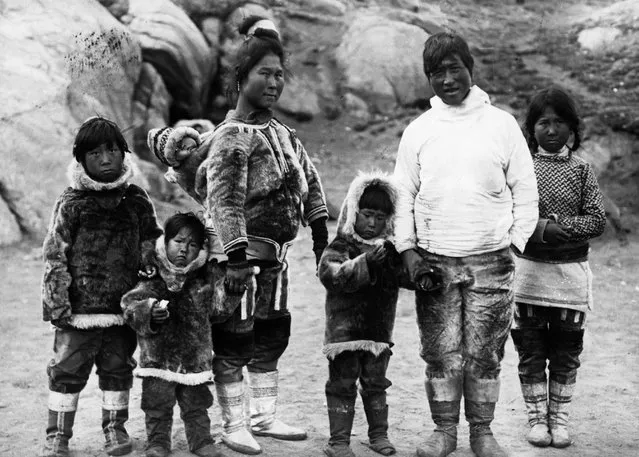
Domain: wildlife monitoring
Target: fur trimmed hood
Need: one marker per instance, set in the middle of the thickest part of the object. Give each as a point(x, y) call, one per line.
point(350, 207)
point(80, 180)
point(175, 276)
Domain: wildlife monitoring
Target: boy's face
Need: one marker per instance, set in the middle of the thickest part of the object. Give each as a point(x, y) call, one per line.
point(451, 81)
point(370, 223)
point(183, 248)
point(104, 163)
point(551, 131)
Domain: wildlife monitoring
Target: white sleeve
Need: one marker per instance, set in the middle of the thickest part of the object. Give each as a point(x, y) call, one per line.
point(407, 176)
point(520, 177)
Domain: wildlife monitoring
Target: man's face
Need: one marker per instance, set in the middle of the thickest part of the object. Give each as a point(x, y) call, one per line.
point(451, 81)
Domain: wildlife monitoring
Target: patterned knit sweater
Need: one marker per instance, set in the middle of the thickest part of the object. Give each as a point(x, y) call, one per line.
point(569, 195)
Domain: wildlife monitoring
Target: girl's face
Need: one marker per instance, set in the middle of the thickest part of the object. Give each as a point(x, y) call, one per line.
point(264, 83)
point(551, 131)
point(183, 248)
point(370, 223)
point(104, 163)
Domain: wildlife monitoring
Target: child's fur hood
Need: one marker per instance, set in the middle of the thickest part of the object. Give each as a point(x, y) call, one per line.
point(80, 180)
point(175, 276)
point(350, 207)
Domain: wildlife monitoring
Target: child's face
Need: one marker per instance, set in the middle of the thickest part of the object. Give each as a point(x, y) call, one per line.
point(370, 223)
point(183, 248)
point(104, 163)
point(551, 131)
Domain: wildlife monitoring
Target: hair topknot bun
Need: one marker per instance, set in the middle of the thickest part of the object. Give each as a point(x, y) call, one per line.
point(258, 26)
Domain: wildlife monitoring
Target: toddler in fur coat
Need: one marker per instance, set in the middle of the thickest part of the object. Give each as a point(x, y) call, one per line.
point(362, 273)
point(171, 314)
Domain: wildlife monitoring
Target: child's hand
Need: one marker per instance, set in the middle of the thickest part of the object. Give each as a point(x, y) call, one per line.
point(159, 312)
point(377, 255)
point(556, 234)
point(186, 148)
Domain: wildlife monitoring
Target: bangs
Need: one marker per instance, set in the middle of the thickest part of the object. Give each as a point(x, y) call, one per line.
point(95, 132)
point(376, 198)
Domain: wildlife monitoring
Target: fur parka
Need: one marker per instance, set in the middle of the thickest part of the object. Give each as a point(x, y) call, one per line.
point(180, 349)
point(255, 180)
point(360, 302)
point(99, 235)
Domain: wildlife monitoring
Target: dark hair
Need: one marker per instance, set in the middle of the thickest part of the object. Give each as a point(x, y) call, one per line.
point(94, 132)
point(441, 45)
point(377, 198)
point(562, 104)
point(180, 220)
point(255, 46)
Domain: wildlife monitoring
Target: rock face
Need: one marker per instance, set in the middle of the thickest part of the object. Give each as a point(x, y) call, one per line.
point(62, 62)
point(379, 64)
point(172, 43)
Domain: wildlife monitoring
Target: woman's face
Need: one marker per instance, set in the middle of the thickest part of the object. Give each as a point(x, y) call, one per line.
point(264, 83)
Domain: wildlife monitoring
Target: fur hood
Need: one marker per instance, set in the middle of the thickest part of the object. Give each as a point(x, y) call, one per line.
point(80, 180)
point(175, 276)
point(350, 207)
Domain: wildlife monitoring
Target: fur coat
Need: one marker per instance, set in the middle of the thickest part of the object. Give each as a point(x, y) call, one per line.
point(255, 180)
point(180, 349)
point(360, 302)
point(99, 235)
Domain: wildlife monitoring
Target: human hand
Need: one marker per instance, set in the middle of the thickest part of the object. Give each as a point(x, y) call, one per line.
point(63, 323)
point(411, 260)
point(377, 255)
point(159, 311)
point(185, 148)
point(556, 233)
point(237, 277)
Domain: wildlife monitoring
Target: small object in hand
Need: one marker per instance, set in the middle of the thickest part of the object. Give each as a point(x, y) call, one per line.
point(162, 304)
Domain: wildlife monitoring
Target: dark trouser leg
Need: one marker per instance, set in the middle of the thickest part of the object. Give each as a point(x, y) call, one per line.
point(373, 391)
point(488, 313)
point(194, 403)
point(566, 345)
point(439, 317)
point(68, 372)
point(115, 369)
point(158, 400)
point(530, 336)
point(341, 392)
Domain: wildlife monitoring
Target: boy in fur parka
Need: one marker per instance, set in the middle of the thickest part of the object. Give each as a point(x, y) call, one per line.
point(361, 271)
point(171, 314)
point(101, 233)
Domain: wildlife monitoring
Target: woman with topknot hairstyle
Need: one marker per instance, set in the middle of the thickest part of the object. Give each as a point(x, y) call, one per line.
point(257, 183)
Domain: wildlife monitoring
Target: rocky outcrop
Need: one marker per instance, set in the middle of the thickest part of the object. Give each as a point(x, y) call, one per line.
point(172, 43)
point(377, 58)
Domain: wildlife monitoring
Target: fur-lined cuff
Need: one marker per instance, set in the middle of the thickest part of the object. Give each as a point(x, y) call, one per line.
point(332, 350)
point(87, 321)
point(188, 379)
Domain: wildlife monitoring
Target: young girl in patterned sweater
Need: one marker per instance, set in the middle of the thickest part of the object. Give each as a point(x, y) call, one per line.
point(553, 282)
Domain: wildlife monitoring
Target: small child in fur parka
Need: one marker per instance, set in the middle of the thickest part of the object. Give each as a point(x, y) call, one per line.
point(171, 314)
point(361, 271)
point(102, 231)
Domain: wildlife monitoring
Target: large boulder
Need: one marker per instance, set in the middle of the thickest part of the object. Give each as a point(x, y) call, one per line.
point(177, 49)
point(380, 62)
point(83, 62)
